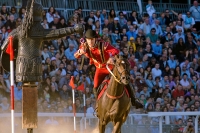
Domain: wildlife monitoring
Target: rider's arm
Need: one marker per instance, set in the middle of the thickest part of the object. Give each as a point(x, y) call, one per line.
point(110, 49)
point(78, 53)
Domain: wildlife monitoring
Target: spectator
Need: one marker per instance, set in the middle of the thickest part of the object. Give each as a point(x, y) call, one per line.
point(171, 62)
point(179, 50)
point(156, 72)
point(153, 18)
point(69, 53)
point(162, 20)
point(62, 23)
point(45, 24)
point(178, 91)
point(103, 16)
point(90, 24)
point(4, 13)
point(131, 44)
point(72, 40)
point(111, 16)
point(179, 26)
point(157, 49)
point(115, 25)
point(188, 21)
point(163, 62)
point(64, 80)
point(122, 19)
point(150, 8)
point(185, 83)
point(189, 128)
point(18, 22)
point(145, 92)
point(146, 26)
point(134, 17)
point(168, 18)
point(10, 23)
point(22, 12)
point(157, 27)
point(131, 33)
point(50, 14)
point(91, 16)
point(5, 105)
point(97, 16)
point(4, 32)
point(106, 24)
point(152, 35)
point(195, 10)
point(13, 11)
point(55, 23)
point(18, 92)
point(165, 82)
point(53, 93)
point(115, 36)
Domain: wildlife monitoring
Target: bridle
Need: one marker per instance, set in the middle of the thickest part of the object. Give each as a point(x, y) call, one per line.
point(120, 73)
point(116, 79)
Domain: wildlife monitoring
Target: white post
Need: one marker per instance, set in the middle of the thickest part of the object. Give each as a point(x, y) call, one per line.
point(167, 121)
point(12, 84)
point(84, 111)
point(74, 110)
point(196, 124)
point(160, 124)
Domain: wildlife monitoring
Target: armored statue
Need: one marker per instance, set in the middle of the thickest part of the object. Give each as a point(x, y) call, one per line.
point(28, 38)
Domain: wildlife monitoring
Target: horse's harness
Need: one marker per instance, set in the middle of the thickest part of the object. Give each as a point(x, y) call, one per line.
point(116, 79)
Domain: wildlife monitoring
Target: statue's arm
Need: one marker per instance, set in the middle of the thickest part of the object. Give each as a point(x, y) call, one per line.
point(6, 42)
point(50, 34)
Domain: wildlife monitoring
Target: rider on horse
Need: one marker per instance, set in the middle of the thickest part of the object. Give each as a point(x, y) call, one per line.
point(100, 52)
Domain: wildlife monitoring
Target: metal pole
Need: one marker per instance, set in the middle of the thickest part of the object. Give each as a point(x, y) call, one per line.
point(196, 124)
point(74, 109)
point(160, 124)
point(84, 104)
point(12, 84)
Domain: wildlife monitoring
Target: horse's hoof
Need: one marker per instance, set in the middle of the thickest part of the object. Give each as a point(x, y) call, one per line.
point(136, 103)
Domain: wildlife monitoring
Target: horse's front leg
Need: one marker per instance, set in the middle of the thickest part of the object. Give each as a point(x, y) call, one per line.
point(117, 127)
point(102, 126)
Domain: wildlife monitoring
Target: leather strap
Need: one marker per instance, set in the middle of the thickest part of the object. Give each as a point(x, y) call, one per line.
point(115, 97)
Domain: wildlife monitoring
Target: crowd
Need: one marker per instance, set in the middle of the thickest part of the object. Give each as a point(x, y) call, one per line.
point(163, 52)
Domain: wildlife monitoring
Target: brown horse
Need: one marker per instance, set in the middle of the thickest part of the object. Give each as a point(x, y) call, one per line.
point(114, 105)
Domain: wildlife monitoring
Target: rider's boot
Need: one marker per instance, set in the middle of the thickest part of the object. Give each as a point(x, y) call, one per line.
point(95, 96)
point(134, 101)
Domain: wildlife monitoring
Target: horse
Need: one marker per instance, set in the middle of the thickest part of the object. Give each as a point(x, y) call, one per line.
point(114, 104)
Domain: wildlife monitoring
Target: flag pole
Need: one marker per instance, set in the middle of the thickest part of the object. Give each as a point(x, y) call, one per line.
point(74, 109)
point(84, 110)
point(12, 83)
point(71, 83)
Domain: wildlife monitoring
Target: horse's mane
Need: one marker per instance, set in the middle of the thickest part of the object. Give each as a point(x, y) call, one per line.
point(127, 63)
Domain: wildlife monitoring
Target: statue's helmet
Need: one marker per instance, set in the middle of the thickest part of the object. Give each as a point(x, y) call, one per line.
point(36, 9)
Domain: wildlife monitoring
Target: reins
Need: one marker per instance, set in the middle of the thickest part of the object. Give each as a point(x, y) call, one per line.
point(116, 79)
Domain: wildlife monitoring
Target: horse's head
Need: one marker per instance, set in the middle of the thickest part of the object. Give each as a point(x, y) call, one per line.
point(121, 70)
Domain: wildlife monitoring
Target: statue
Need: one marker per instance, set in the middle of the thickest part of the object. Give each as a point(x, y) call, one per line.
point(27, 40)
point(29, 36)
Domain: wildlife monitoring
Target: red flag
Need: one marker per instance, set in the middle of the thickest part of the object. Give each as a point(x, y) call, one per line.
point(71, 83)
point(81, 87)
point(9, 49)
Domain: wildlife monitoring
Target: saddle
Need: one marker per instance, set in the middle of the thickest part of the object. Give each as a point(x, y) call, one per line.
point(103, 87)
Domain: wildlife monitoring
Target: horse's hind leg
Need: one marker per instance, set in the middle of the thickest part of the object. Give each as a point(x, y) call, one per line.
point(117, 127)
point(101, 127)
